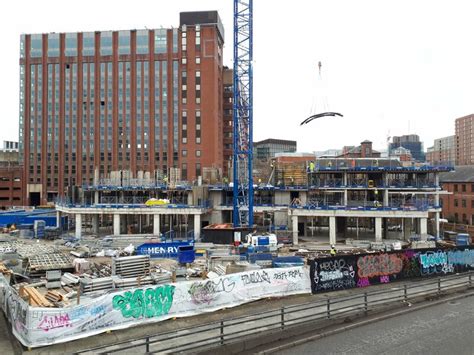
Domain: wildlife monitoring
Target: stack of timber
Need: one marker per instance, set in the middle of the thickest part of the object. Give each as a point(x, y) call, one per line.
point(4, 270)
point(34, 297)
point(131, 266)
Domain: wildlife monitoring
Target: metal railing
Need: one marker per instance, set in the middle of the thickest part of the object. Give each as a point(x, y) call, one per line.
point(233, 330)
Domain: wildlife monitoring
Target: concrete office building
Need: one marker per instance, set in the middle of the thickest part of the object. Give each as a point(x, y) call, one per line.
point(443, 151)
point(139, 102)
point(268, 148)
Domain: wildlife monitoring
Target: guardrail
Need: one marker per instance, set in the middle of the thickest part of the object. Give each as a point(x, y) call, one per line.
point(234, 330)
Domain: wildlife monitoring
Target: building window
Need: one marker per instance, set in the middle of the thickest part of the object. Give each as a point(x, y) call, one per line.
point(472, 187)
point(198, 153)
point(455, 203)
point(456, 218)
point(198, 60)
point(184, 140)
point(463, 203)
point(463, 187)
point(455, 187)
point(184, 153)
point(198, 169)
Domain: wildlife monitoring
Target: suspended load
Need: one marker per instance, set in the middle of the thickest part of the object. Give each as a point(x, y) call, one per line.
point(320, 107)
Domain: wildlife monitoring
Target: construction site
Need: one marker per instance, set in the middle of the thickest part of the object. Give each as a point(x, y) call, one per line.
point(130, 248)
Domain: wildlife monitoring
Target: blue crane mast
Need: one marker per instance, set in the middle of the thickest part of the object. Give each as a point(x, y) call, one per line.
point(243, 114)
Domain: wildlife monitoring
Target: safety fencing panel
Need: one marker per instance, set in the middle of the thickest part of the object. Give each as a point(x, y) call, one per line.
point(361, 270)
point(122, 309)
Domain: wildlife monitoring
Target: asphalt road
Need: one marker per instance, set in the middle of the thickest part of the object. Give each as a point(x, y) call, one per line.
point(443, 329)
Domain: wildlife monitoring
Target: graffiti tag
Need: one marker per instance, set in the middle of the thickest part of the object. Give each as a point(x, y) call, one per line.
point(152, 302)
point(206, 292)
point(255, 277)
point(48, 323)
point(379, 265)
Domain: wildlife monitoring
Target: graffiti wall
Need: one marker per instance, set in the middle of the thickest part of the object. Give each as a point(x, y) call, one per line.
point(126, 308)
point(349, 271)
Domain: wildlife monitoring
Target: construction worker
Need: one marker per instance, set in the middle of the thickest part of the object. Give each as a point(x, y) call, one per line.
point(165, 180)
point(225, 180)
point(311, 166)
point(333, 250)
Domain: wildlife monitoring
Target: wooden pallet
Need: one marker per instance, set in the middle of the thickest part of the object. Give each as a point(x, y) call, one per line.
point(4, 270)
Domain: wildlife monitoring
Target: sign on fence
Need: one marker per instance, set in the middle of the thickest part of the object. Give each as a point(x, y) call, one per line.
point(161, 250)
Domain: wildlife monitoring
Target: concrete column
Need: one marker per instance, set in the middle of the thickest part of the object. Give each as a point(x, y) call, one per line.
point(332, 230)
point(385, 198)
point(156, 224)
point(294, 222)
point(95, 224)
point(58, 219)
point(423, 228)
point(78, 226)
point(197, 226)
point(96, 197)
point(345, 197)
point(344, 179)
point(378, 229)
point(116, 224)
point(406, 228)
point(437, 179)
point(437, 231)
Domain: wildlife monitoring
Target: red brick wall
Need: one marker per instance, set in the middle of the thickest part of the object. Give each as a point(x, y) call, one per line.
point(465, 208)
point(11, 193)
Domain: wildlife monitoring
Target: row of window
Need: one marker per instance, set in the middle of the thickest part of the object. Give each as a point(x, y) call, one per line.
point(106, 43)
point(463, 187)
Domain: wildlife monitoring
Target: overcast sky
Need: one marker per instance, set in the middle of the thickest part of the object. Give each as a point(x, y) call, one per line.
point(390, 67)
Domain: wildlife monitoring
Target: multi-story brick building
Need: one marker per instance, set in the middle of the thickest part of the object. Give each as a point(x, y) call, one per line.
point(363, 151)
point(464, 140)
point(95, 104)
point(458, 205)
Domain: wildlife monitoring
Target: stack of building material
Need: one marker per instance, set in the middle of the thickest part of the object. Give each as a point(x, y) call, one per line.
point(39, 264)
point(54, 297)
point(4, 270)
point(100, 284)
point(70, 279)
point(161, 278)
point(35, 298)
point(131, 266)
point(54, 279)
point(133, 282)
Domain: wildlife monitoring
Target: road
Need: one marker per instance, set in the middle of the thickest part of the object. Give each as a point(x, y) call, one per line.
point(442, 329)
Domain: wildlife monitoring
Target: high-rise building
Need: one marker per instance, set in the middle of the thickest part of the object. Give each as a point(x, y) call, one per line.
point(412, 143)
point(139, 102)
point(464, 140)
point(266, 149)
point(443, 152)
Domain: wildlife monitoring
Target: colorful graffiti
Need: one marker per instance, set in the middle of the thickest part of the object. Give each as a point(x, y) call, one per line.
point(206, 292)
point(379, 265)
point(48, 323)
point(380, 268)
point(152, 302)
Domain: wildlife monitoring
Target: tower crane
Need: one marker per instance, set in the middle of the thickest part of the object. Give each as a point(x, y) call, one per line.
point(243, 114)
